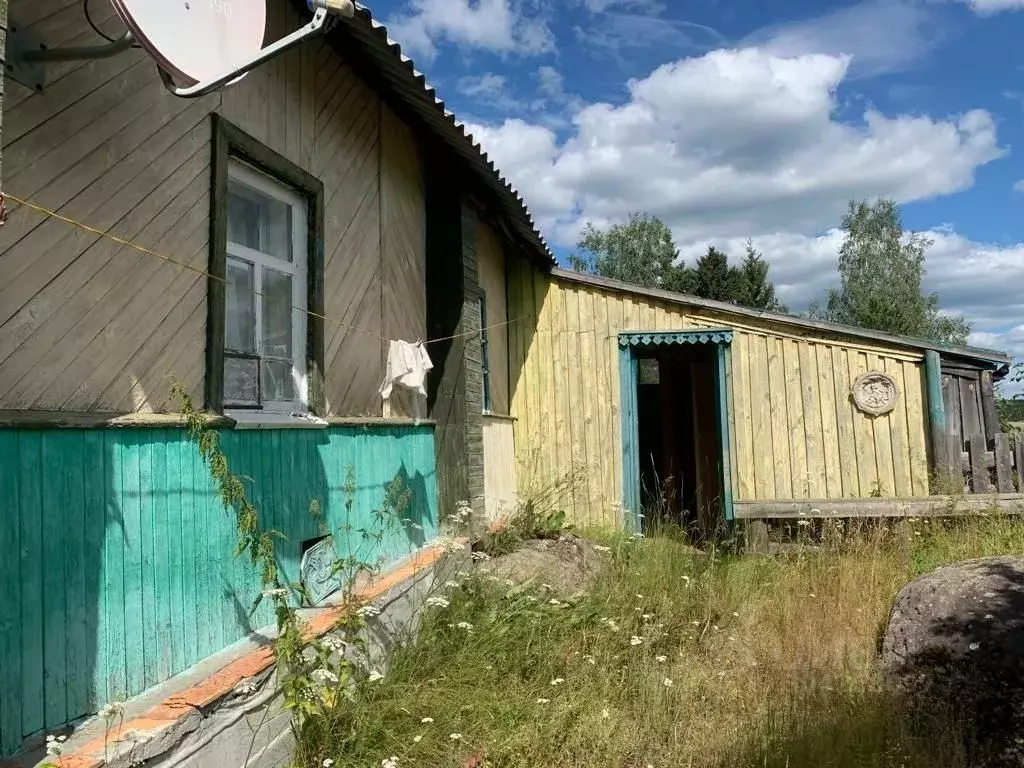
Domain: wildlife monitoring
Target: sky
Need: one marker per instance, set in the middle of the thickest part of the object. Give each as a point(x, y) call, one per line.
point(761, 120)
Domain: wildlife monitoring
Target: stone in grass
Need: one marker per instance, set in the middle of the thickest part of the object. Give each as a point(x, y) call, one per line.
point(955, 642)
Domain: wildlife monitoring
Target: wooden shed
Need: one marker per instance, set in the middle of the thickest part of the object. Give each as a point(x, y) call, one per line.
point(700, 410)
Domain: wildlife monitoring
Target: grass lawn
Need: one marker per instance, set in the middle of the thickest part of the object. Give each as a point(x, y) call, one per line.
point(669, 659)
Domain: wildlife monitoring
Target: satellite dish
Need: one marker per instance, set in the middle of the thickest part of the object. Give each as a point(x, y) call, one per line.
point(198, 45)
point(196, 40)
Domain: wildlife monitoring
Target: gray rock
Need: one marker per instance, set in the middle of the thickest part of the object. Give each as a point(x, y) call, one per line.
point(955, 642)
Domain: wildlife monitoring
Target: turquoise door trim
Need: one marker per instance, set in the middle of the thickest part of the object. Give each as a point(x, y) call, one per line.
point(628, 369)
point(630, 343)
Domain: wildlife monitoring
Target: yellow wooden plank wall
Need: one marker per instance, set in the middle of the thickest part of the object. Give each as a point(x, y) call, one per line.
point(491, 266)
point(499, 466)
point(793, 430)
point(87, 324)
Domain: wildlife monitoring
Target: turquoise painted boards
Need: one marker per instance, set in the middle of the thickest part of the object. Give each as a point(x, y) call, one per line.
point(119, 567)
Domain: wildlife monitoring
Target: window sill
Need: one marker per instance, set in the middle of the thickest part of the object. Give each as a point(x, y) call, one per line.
point(255, 420)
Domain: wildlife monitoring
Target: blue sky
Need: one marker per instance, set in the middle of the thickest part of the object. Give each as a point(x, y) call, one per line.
point(753, 119)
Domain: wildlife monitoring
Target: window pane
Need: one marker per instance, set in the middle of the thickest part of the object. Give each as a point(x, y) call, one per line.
point(277, 314)
point(259, 221)
point(240, 381)
point(277, 381)
point(240, 316)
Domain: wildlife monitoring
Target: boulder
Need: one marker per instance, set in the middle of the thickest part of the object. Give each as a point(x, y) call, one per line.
point(955, 642)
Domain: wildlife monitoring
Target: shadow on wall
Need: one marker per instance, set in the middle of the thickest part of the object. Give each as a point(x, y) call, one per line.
point(121, 557)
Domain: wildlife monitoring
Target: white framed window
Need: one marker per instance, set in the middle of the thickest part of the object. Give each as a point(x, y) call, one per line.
point(266, 295)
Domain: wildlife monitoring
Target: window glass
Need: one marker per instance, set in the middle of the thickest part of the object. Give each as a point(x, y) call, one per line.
point(240, 318)
point(277, 314)
point(241, 381)
point(258, 221)
point(277, 381)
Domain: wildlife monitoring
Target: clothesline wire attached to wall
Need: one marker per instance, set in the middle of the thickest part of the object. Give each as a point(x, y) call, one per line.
point(199, 271)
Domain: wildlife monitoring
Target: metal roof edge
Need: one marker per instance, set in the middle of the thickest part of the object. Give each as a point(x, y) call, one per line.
point(973, 353)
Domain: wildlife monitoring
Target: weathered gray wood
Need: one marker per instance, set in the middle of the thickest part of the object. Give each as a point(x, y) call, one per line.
point(970, 407)
point(77, 420)
point(1010, 503)
point(959, 460)
point(1018, 454)
point(1004, 472)
point(756, 540)
point(980, 482)
point(988, 406)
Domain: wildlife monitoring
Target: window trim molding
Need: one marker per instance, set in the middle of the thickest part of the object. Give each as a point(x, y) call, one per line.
point(231, 142)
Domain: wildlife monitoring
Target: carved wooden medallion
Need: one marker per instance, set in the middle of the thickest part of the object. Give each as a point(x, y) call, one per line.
point(875, 393)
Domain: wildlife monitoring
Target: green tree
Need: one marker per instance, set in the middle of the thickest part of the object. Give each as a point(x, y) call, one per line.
point(640, 252)
point(880, 273)
point(753, 288)
point(713, 278)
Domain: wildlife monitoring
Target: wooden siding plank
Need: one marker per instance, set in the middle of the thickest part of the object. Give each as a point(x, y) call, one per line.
point(603, 409)
point(761, 407)
point(848, 459)
point(560, 393)
point(97, 484)
point(864, 435)
point(574, 391)
point(593, 390)
point(615, 325)
point(903, 485)
point(11, 627)
point(134, 599)
point(75, 510)
point(913, 377)
point(114, 589)
point(829, 422)
point(780, 418)
point(33, 683)
point(743, 457)
point(789, 352)
point(52, 556)
point(817, 483)
point(883, 440)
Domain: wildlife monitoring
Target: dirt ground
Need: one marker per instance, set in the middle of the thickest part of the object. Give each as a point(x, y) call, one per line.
point(568, 564)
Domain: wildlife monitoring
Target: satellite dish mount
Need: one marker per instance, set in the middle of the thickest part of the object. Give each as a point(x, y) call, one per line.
point(198, 45)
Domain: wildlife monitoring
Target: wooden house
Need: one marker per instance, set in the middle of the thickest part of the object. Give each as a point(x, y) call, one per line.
point(703, 411)
point(260, 247)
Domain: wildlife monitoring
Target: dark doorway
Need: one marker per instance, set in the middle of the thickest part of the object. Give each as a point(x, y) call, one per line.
point(680, 453)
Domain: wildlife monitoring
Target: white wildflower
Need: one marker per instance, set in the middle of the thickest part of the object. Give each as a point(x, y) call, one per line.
point(427, 720)
point(634, 640)
point(417, 739)
point(599, 548)
point(112, 710)
point(590, 659)
point(55, 745)
point(480, 556)
point(452, 585)
point(465, 625)
point(647, 616)
point(455, 736)
point(391, 762)
point(605, 714)
point(271, 594)
point(323, 676)
point(974, 646)
point(811, 595)
point(667, 682)
point(369, 611)
point(558, 681)
point(374, 676)
point(553, 602)
point(438, 602)
point(327, 763)
point(244, 690)
point(543, 701)
point(546, 586)
point(334, 644)
point(661, 659)
point(736, 614)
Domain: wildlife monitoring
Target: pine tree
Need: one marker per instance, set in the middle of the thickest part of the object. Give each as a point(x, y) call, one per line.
point(754, 289)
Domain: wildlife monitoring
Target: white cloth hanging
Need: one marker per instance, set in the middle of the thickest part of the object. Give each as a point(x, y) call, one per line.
point(408, 365)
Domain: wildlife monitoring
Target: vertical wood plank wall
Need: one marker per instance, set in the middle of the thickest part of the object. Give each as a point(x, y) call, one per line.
point(491, 265)
point(499, 466)
point(793, 430)
point(88, 324)
point(114, 591)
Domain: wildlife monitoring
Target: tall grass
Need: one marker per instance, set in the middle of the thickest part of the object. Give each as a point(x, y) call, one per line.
point(671, 659)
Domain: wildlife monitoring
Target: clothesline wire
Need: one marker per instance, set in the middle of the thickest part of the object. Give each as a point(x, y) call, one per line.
point(205, 273)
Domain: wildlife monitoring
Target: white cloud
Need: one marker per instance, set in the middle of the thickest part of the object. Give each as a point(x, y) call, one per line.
point(487, 84)
point(500, 26)
point(734, 143)
point(989, 7)
point(878, 35)
point(1019, 186)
